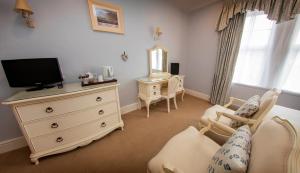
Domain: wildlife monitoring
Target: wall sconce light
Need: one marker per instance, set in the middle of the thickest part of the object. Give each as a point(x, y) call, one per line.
point(23, 7)
point(157, 33)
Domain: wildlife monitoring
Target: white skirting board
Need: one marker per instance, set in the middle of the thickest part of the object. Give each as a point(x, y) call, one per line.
point(12, 144)
point(198, 94)
point(19, 142)
point(129, 108)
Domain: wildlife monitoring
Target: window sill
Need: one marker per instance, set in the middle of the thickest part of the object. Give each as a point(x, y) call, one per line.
point(265, 88)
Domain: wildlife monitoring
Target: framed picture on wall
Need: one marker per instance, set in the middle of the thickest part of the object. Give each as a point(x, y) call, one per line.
point(106, 17)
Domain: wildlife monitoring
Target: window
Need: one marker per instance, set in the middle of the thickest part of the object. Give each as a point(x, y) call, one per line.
point(269, 54)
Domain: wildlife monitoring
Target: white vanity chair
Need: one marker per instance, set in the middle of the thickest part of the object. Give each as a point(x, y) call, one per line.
point(155, 86)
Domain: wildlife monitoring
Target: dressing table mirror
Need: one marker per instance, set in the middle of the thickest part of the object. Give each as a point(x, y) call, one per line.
point(158, 62)
point(151, 88)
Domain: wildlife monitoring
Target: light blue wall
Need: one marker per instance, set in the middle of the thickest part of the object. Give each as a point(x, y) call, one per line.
point(202, 47)
point(63, 30)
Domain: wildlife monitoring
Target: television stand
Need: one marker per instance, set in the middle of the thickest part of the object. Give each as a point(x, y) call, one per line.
point(40, 87)
point(92, 113)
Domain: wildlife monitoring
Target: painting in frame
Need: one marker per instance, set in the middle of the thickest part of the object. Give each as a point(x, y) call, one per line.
point(106, 17)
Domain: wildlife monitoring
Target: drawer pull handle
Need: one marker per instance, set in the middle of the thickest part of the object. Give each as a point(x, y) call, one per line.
point(54, 125)
point(59, 139)
point(101, 112)
point(99, 99)
point(154, 87)
point(154, 93)
point(49, 110)
point(103, 124)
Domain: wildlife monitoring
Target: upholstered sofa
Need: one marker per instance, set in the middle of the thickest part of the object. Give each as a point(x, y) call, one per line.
point(275, 149)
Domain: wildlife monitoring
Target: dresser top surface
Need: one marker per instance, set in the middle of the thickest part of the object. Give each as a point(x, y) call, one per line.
point(154, 79)
point(68, 89)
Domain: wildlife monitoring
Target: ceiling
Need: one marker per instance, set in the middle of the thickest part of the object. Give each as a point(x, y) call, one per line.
point(191, 5)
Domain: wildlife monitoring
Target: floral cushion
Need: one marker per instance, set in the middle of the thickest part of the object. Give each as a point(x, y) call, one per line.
point(234, 155)
point(247, 110)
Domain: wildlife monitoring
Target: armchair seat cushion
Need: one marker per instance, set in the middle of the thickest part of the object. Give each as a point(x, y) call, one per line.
point(212, 114)
point(187, 152)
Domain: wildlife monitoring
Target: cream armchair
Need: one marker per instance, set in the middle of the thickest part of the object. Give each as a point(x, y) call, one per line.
point(222, 116)
point(275, 149)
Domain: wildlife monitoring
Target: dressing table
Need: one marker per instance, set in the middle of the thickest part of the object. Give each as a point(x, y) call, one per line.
point(150, 87)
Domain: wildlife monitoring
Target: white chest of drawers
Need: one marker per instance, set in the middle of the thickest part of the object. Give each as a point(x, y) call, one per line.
point(59, 120)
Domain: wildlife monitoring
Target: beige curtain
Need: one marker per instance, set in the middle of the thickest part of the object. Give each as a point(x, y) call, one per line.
point(228, 50)
point(278, 10)
point(230, 25)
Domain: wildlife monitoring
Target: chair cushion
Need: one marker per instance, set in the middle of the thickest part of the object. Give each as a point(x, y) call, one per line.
point(267, 101)
point(269, 94)
point(212, 114)
point(271, 146)
point(187, 152)
point(247, 110)
point(234, 155)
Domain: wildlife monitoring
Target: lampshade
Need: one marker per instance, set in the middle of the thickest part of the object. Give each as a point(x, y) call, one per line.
point(23, 6)
point(158, 31)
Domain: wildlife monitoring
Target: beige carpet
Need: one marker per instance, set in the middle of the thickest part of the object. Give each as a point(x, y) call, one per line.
point(125, 151)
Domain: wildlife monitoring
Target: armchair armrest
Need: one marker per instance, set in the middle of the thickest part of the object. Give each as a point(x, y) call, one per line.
point(236, 118)
point(221, 126)
point(214, 124)
point(206, 129)
point(234, 101)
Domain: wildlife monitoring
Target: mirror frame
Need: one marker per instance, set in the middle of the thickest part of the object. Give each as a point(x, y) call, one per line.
point(158, 74)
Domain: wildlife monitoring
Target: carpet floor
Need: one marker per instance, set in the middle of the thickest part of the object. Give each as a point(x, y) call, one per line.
point(125, 151)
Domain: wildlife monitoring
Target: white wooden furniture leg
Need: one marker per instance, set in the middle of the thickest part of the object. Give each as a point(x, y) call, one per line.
point(139, 103)
point(168, 104)
point(175, 103)
point(148, 108)
point(182, 94)
point(35, 161)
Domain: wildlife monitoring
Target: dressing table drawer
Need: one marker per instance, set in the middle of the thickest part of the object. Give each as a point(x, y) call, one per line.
point(155, 93)
point(67, 137)
point(154, 90)
point(52, 108)
point(180, 87)
point(69, 120)
point(155, 87)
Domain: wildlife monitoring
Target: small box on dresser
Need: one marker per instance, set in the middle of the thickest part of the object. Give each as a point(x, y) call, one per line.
point(59, 120)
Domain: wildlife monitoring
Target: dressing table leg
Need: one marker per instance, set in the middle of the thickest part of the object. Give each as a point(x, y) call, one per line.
point(182, 95)
point(139, 103)
point(148, 107)
point(168, 104)
point(175, 103)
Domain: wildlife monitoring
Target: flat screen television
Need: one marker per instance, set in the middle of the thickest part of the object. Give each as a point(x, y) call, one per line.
point(39, 73)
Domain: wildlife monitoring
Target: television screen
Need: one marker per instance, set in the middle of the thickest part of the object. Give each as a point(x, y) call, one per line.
point(32, 72)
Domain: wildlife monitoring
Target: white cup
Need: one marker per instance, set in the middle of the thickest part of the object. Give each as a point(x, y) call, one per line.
point(100, 78)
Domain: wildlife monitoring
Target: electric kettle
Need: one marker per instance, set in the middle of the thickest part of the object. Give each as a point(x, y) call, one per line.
point(107, 72)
